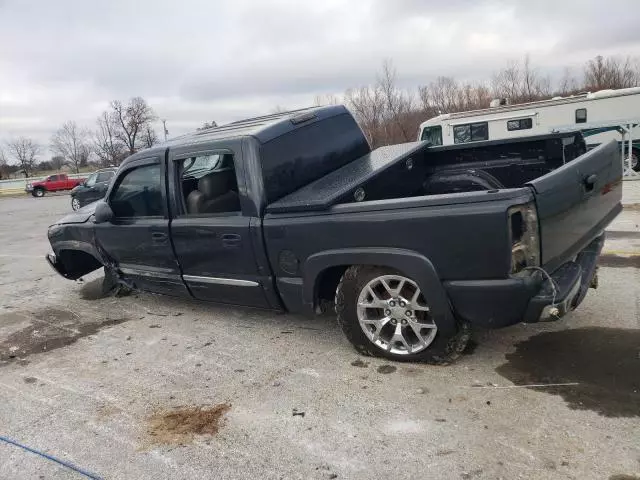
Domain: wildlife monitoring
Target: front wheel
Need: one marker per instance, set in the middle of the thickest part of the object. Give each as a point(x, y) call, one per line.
point(38, 192)
point(75, 203)
point(383, 313)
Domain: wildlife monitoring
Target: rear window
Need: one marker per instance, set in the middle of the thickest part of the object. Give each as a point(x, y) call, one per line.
point(472, 132)
point(309, 152)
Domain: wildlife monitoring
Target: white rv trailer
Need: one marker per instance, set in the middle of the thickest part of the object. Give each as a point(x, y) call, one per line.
point(600, 115)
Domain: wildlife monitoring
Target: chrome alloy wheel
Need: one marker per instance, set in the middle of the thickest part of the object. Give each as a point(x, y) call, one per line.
point(75, 203)
point(394, 316)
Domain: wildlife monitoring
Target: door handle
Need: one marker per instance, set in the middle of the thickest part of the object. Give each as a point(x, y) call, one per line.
point(589, 181)
point(231, 239)
point(159, 238)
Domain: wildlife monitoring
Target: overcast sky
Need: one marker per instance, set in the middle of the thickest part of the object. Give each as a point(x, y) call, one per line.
point(228, 59)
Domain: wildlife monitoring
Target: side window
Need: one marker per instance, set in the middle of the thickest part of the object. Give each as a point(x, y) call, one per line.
point(581, 115)
point(472, 132)
point(520, 124)
point(139, 193)
point(91, 181)
point(104, 177)
point(433, 135)
point(209, 184)
point(52, 178)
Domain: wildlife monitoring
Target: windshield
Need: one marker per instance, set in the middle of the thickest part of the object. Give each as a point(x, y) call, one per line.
point(433, 135)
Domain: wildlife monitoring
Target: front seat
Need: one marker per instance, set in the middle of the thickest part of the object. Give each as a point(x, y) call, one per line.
point(215, 194)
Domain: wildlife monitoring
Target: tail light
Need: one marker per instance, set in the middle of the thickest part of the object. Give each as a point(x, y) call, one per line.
point(524, 236)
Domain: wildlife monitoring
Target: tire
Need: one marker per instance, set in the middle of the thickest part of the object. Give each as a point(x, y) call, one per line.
point(38, 192)
point(436, 347)
point(75, 203)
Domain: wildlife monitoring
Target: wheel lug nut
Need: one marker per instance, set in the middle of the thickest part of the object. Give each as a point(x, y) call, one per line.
point(404, 322)
point(402, 304)
point(408, 313)
point(393, 321)
point(392, 303)
point(387, 312)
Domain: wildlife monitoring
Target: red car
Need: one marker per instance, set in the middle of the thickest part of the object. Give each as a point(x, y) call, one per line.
point(53, 183)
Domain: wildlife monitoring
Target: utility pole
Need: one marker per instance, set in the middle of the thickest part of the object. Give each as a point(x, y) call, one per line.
point(164, 127)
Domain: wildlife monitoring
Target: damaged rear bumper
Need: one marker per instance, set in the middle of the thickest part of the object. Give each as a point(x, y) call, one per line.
point(500, 303)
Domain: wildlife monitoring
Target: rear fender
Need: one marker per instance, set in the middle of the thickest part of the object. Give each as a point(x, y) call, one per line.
point(410, 263)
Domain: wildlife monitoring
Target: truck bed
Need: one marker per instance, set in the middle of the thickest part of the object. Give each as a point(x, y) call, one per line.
point(417, 169)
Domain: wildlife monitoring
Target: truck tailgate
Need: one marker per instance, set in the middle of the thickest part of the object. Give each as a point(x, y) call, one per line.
point(577, 201)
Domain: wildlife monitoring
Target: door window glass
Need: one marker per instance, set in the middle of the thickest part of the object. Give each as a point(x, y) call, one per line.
point(52, 178)
point(209, 184)
point(139, 193)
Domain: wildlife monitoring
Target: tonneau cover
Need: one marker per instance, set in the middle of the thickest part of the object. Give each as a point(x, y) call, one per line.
point(337, 185)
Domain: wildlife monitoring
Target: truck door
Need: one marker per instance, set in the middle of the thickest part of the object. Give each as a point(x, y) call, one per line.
point(576, 201)
point(137, 239)
point(211, 236)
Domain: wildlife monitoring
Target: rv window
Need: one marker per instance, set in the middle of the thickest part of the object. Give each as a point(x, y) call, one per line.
point(581, 115)
point(479, 131)
point(433, 135)
point(520, 124)
point(472, 132)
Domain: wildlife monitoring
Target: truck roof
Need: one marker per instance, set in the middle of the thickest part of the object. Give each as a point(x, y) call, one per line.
point(263, 128)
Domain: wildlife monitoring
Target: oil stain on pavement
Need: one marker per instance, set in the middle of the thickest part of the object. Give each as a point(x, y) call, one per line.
point(604, 362)
point(46, 330)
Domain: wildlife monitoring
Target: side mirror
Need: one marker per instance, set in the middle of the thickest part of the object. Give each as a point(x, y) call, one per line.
point(103, 212)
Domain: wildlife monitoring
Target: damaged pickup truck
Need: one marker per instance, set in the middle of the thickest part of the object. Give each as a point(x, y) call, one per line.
point(411, 243)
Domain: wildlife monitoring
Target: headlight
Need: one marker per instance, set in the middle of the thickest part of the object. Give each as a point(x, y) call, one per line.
point(524, 236)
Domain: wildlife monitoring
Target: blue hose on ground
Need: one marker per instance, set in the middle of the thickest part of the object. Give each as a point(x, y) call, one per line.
point(53, 459)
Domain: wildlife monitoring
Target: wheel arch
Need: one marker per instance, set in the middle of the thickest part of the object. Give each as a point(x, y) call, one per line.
point(320, 272)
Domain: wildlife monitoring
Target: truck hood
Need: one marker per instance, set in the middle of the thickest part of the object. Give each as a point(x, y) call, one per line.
point(79, 216)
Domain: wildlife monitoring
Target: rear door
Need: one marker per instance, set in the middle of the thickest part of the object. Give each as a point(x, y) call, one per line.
point(212, 238)
point(577, 201)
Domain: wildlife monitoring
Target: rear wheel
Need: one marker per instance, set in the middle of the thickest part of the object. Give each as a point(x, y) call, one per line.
point(75, 203)
point(38, 192)
point(384, 313)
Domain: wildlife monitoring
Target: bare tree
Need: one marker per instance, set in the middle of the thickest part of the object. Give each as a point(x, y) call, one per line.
point(57, 161)
point(106, 145)
point(367, 105)
point(25, 151)
point(149, 136)
point(326, 99)
point(71, 142)
point(131, 120)
point(397, 104)
point(603, 73)
point(568, 83)
point(3, 164)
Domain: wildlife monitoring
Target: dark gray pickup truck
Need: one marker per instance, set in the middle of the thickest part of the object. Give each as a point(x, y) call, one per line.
point(411, 243)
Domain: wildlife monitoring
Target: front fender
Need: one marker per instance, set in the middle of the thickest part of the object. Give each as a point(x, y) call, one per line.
point(410, 263)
